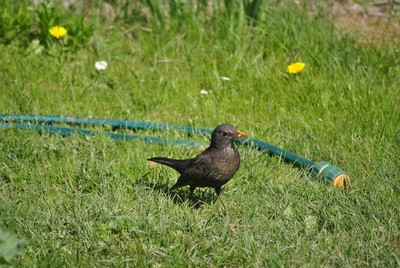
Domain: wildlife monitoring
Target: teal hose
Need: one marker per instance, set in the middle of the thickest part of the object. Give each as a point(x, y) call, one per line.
point(69, 131)
point(325, 170)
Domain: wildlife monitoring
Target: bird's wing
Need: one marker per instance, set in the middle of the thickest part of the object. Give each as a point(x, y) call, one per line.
point(199, 169)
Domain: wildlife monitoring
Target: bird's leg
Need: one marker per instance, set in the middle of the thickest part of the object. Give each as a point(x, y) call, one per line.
point(191, 190)
point(218, 191)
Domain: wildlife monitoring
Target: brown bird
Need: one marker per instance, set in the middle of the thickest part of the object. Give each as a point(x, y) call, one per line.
point(212, 168)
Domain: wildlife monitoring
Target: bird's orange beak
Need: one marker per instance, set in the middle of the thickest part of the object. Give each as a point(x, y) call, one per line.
point(240, 134)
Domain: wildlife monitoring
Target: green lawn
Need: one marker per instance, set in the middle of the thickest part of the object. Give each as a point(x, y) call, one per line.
point(95, 202)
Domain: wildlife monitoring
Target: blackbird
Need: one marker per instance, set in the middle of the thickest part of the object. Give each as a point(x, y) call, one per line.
point(212, 168)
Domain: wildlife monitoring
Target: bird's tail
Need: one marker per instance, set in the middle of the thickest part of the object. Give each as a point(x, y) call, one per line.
point(178, 165)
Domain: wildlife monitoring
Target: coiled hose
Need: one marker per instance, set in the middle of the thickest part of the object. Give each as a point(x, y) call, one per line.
point(324, 170)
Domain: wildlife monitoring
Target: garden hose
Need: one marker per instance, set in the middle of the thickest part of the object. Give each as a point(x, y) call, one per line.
point(323, 170)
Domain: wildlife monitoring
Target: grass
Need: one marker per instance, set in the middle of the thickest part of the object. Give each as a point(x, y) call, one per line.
point(93, 201)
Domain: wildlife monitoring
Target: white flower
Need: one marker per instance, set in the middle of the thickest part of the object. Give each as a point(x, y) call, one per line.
point(225, 78)
point(101, 65)
point(204, 92)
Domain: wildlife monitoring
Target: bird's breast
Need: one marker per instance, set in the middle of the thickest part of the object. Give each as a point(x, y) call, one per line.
point(226, 164)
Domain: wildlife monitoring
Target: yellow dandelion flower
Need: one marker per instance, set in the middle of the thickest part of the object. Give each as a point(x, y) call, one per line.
point(58, 31)
point(296, 67)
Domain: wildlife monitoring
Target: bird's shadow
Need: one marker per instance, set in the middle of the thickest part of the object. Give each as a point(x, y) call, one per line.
point(178, 196)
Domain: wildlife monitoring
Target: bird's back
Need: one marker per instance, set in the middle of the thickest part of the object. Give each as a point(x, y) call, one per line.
point(212, 168)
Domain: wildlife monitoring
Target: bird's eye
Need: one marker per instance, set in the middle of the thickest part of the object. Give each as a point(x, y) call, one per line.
point(224, 134)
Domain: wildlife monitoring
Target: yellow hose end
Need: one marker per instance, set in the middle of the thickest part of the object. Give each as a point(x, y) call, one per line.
point(341, 181)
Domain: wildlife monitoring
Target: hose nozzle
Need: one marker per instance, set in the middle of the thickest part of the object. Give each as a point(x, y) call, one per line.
point(330, 174)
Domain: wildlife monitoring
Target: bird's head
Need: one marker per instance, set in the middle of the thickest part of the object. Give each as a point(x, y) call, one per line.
point(224, 134)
